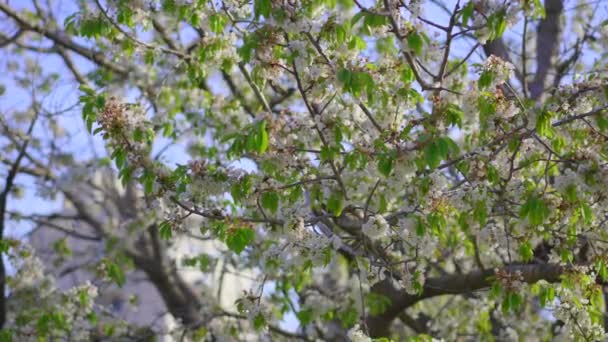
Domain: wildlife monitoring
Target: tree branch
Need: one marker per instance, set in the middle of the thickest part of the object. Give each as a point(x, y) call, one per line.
point(61, 39)
point(547, 44)
point(8, 185)
point(453, 284)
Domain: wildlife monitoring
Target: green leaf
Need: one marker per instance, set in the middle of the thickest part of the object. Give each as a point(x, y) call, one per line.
point(259, 321)
point(341, 34)
point(454, 115)
point(263, 137)
point(262, 8)
point(386, 46)
point(486, 106)
point(256, 141)
point(385, 163)
point(432, 155)
point(328, 153)
point(87, 90)
point(6, 335)
point(601, 121)
point(62, 248)
point(480, 213)
point(305, 316)
point(165, 230)
point(125, 16)
point(539, 10)
point(149, 57)
point(245, 51)
point(497, 24)
point(407, 75)
point(415, 42)
point(344, 76)
point(526, 252)
point(70, 21)
point(586, 213)
point(535, 210)
point(334, 203)
point(217, 22)
point(493, 175)
point(120, 157)
point(467, 13)
point(125, 175)
point(373, 20)
point(357, 43)
point(484, 323)
point(338, 136)
point(115, 273)
point(346, 4)
point(597, 298)
point(543, 124)
point(377, 303)
point(167, 129)
point(566, 255)
point(443, 147)
point(147, 180)
point(94, 27)
point(601, 269)
point(546, 296)
point(270, 201)
point(348, 317)
point(241, 189)
point(485, 79)
point(361, 81)
point(511, 302)
point(239, 238)
point(169, 6)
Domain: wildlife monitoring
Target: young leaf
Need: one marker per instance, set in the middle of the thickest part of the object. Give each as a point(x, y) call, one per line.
point(414, 42)
point(262, 139)
point(385, 163)
point(239, 238)
point(546, 296)
point(115, 273)
point(526, 252)
point(262, 8)
point(535, 210)
point(334, 203)
point(485, 79)
point(216, 23)
point(165, 231)
point(467, 13)
point(432, 155)
point(270, 201)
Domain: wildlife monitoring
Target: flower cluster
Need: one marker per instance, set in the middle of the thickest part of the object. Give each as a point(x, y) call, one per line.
point(500, 69)
point(376, 227)
point(118, 117)
point(355, 334)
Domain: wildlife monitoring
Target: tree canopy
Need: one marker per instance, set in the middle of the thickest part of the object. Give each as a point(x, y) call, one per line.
point(384, 170)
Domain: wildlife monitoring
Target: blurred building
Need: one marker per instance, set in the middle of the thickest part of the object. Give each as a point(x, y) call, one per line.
point(138, 301)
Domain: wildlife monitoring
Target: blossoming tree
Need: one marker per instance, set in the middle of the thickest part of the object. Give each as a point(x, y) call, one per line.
point(395, 169)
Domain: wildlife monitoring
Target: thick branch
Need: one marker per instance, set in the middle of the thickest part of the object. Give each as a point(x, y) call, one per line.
point(181, 300)
point(453, 284)
point(547, 46)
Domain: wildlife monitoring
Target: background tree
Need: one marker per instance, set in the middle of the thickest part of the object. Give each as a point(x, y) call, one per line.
point(397, 169)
